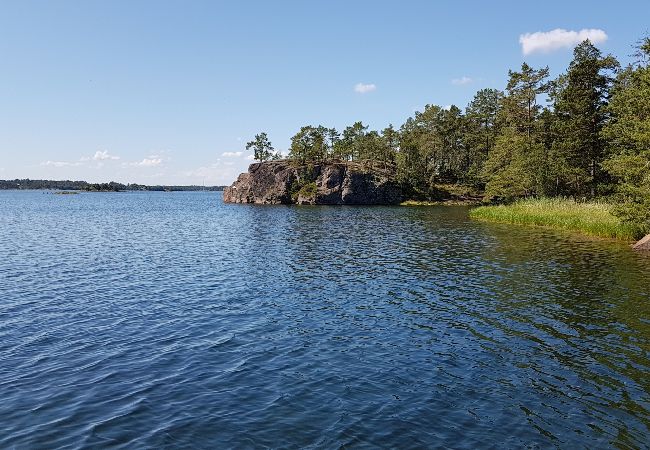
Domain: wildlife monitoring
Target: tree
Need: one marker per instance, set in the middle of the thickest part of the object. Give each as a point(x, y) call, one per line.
point(518, 164)
point(262, 148)
point(628, 139)
point(389, 145)
point(351, 145)
point(313, 143)
point(520, 105)
point(516, 167)
point(580, 100)
point(482, 128)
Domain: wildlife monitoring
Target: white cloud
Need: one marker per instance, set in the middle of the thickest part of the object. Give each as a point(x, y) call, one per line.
point(362, 88)
point(232, 154)
point(148, 162)
point(548, 41)
point(103, 156)
point(250, 157)
point(60, 164)
point(462, 81)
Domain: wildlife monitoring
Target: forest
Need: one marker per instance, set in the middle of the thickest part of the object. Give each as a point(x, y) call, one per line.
point(584, 135)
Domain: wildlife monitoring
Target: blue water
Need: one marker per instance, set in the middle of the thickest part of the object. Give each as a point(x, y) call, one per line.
point(171, 320)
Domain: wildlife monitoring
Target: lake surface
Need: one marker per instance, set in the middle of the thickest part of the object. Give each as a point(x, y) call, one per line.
point(171, 320)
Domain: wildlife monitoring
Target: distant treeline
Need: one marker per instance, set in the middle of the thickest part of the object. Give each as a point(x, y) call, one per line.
point(584, 134)
point(97, 187)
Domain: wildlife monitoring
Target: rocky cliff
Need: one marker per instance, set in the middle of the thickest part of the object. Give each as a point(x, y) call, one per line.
point(336, 183)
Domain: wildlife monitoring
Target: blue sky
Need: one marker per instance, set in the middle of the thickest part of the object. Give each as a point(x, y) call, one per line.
point(170, 91)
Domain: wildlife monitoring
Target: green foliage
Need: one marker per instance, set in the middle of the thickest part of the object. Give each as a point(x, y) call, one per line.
point(262, 148)
point(308, 190)
point(313, 144)
point(595, 219)
point(628, 139)
point(580, 100)
point(482, 129)
point(518, 165)
point(514, 168)
point(305, 184)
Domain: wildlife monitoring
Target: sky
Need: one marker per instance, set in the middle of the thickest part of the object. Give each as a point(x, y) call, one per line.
point(169, 92)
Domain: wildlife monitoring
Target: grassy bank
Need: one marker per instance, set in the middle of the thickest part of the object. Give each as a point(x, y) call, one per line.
point(594, 219)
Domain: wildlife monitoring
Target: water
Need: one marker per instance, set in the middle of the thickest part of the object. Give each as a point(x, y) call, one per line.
point(171, 320)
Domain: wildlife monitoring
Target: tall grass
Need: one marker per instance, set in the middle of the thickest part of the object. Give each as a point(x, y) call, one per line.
point(594, 218)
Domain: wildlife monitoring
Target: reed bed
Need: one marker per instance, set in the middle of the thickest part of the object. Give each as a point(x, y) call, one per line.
point(591, 218)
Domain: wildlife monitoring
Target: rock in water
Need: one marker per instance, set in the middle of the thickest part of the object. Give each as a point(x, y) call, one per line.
point(334, 183)
point(643, 244)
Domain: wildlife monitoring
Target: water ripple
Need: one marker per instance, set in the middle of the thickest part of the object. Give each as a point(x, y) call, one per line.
point(156, 320)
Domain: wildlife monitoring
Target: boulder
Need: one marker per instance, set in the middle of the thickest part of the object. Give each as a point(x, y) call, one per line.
point(333, 183)
point(643, 244)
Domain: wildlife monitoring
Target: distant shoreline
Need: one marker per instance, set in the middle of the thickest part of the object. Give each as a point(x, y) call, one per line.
point(68, 185)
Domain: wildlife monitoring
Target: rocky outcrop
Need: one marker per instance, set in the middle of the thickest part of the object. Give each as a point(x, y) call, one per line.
point(336, 183)
point(643, 244)
point(265, 183)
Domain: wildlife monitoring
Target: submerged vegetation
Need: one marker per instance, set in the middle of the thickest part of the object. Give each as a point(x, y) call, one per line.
point(590, 141)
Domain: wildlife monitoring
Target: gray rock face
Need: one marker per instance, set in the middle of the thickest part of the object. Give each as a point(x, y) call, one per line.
point(337, 183)
point(265, 183)
point(643, 244)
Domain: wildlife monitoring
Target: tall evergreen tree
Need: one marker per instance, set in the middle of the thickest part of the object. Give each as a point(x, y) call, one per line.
point(482, 113)
point(628, 139)
point(518, 164)
point(580, 105)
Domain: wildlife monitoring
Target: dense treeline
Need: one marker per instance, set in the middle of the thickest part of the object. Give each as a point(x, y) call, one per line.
point(585, 134)
point(96, 187)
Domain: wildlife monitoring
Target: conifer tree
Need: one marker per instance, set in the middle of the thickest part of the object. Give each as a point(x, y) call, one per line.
point(628, 139)
point(580, 107)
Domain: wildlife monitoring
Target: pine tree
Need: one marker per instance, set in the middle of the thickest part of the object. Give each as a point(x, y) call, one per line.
point(628, 139)
point(262, 148)
point(518, 164)
point(580, 105)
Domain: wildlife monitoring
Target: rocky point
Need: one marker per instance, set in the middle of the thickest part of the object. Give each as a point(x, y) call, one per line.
point(332, 183)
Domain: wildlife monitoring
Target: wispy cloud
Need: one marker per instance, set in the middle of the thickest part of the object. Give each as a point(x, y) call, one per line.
point(101, 156)
point(148, 162)
point(548, 41)
point(60, 164)
point(232, 154)
point(362, 88)
point(462, 81)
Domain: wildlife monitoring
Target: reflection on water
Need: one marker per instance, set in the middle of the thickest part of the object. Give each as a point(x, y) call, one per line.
point(173, 320)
